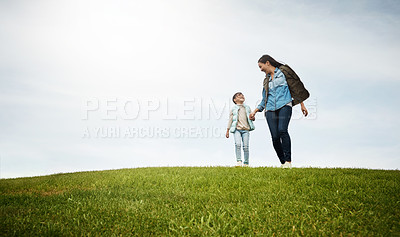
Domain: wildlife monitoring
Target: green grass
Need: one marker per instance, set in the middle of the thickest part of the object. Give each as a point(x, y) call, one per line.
point(203, 201)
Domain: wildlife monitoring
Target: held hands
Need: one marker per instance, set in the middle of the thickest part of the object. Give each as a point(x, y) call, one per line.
point(252, 116)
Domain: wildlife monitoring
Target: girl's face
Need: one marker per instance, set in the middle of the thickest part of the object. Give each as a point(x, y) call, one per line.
point(267, 68)
point(239, 99)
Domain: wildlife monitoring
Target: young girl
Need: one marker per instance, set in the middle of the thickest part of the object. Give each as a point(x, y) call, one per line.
point(240, 124)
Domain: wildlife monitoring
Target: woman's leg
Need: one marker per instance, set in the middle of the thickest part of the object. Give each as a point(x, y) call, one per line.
point(245, 139)
point(285, 113)
point(238, 138)
point(273, 120)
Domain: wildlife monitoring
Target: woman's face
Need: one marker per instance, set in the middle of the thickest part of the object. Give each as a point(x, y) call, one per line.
point(267, 68)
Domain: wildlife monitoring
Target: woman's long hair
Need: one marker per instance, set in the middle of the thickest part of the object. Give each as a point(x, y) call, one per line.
point(270, 59)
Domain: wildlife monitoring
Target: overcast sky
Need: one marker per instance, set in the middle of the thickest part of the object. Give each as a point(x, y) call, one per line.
point(95, 85)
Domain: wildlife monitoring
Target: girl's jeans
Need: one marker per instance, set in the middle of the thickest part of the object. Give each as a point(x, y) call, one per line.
point(242, 136)
point(278, 123)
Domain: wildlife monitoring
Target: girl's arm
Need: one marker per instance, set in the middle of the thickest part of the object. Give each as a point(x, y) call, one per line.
point(229, 124)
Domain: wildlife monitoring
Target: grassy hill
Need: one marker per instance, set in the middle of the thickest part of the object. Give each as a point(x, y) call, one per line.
point(203, 201)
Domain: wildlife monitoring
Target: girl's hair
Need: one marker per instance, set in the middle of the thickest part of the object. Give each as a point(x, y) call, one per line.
point(234, 96)
point(271, 60)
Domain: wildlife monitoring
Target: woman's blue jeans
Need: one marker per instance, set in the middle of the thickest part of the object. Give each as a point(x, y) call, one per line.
point(278, 123)
point(242, 136)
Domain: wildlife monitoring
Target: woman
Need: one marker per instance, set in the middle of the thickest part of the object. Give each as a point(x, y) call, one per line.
point(281, 91)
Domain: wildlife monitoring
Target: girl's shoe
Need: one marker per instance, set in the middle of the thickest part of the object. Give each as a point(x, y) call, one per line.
point(239, 163)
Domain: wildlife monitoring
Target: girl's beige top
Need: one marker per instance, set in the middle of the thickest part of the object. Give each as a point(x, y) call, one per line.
point(242, 123)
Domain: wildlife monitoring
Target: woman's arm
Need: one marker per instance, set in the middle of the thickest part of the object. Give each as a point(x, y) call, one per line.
point(304, 109)
point(252, 116)
point(260, 107)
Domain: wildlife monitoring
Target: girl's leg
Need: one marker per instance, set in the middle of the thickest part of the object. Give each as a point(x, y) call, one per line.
point(245, 139)
point(285, 113)
point(272, 120)
point(238, 139)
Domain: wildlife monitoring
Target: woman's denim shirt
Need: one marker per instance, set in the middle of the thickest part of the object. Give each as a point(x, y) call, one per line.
point(278, 93)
